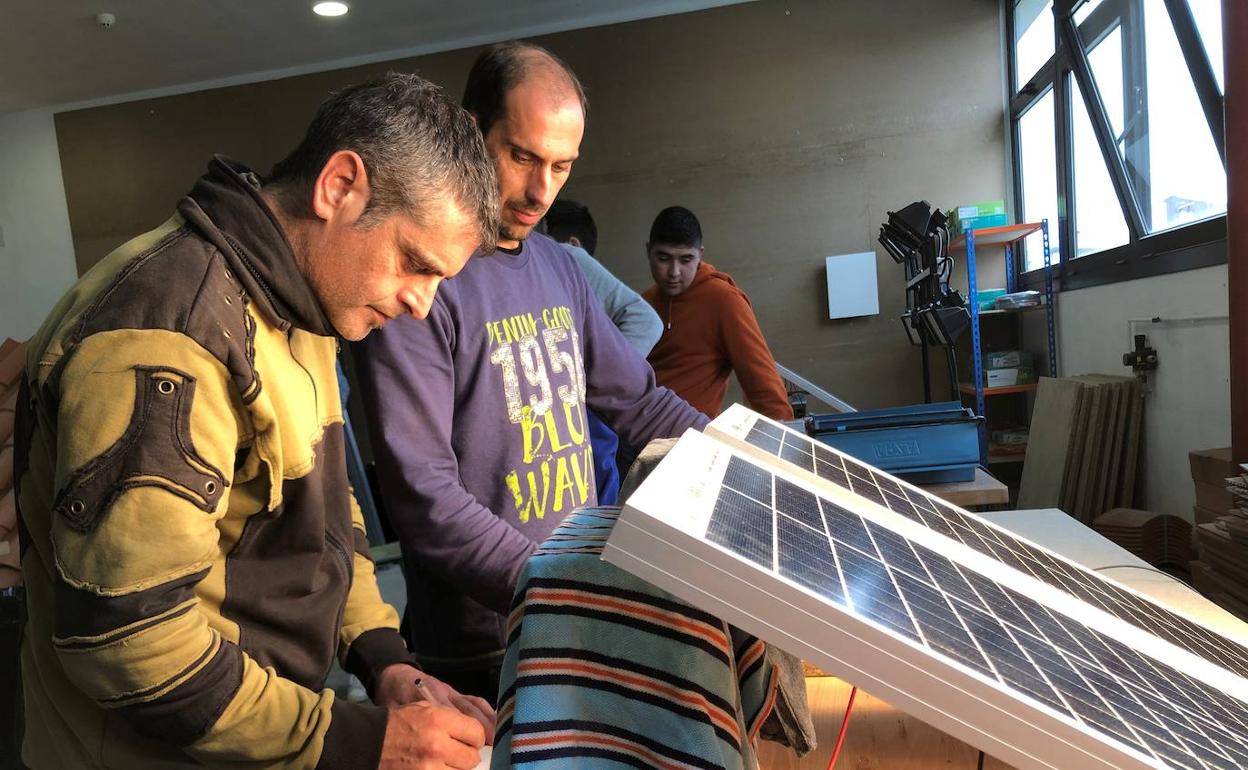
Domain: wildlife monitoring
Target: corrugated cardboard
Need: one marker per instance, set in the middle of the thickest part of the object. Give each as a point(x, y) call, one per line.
point(1212, 466)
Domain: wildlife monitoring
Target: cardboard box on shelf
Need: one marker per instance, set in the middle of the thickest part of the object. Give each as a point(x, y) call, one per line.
point(1003, 378)
point(1212, 466)
point(1204, 515)
point(1213, 497)
point(1007, 359)
point(977, 216)
point(1013, 436)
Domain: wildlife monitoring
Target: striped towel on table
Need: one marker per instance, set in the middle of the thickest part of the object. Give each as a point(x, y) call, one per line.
point(604, 670)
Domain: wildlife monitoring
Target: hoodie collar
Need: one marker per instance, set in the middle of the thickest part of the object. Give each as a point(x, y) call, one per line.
point(226, 208)
point(706, 272)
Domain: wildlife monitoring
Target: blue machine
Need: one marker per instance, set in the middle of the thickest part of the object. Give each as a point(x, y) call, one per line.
point(923, 443)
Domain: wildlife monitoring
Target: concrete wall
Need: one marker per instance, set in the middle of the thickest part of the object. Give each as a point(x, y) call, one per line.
point(37, 254)
point(789, 128)
point(1188, 401)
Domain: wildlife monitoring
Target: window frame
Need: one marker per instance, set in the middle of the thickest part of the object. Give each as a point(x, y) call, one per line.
point(1187, 247)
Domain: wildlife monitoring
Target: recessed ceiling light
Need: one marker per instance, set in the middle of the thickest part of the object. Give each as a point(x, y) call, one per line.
point(330, 9)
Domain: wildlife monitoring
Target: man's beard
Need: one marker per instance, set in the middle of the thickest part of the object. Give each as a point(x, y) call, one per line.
point(515, 232)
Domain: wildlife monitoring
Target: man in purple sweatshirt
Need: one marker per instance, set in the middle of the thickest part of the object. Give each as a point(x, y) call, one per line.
point(477, 414)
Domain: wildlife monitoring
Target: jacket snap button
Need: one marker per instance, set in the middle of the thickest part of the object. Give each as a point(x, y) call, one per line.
point(77, 507)
point(210, 487)
point(164, 386)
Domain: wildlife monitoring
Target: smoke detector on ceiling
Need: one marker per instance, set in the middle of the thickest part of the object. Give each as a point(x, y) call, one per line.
point(105, 20)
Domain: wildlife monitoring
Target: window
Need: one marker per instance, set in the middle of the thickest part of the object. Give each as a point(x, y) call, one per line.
point(1186, 178)
point(1033, 41)
point(1084, 11)
point(1173, 167)
point(1099, 224)
point(1035, 138)
point(1117, 112)
point(1208, 16)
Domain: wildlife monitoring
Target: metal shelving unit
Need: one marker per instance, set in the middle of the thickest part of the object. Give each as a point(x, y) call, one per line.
point(1008, 236)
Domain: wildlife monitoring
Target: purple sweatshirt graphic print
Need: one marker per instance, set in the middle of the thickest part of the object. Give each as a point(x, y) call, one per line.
point(477, 420)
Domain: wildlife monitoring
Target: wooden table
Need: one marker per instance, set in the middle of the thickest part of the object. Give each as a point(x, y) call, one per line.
point(984, 490)
point(881, 737)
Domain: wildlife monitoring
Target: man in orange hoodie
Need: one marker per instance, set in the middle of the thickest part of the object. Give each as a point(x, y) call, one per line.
point(709, 329)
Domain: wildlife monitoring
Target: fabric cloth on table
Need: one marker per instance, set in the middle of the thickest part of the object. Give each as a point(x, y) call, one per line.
point(789, 723)
point(604, 670)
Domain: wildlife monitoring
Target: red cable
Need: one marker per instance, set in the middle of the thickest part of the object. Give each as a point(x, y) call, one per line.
point(840, 739)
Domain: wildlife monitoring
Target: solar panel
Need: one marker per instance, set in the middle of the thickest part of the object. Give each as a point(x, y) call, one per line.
point(1028, 672)
point(756, 433)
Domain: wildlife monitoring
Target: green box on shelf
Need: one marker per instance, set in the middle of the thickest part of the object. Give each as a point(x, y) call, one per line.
point(986, 299)
point(1007, 359)
point(977, 216)
point(1009, 378)
point(1005, 378)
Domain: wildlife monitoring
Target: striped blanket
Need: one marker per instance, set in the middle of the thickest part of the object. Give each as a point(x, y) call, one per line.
point(604, 670)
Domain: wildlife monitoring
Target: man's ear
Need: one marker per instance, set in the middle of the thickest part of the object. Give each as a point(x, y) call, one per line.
point(341, 190)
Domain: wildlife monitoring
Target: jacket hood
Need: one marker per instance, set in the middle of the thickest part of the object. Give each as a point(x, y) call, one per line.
point(705, 275)
point(225, 206)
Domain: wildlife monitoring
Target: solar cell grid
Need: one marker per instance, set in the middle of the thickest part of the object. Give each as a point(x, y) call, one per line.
point(798, 454)
point(832, 473)
point(805, 559)
point(742, 525)
point(825, 455)
point(762, 439)
point(798, 503)
point(1009, 550)
point(966, 618)
point(749, 480)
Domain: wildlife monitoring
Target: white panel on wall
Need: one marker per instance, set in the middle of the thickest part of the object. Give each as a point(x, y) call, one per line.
point(853, 288)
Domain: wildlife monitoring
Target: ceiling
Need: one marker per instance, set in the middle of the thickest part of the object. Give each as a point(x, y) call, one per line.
point(53, 54)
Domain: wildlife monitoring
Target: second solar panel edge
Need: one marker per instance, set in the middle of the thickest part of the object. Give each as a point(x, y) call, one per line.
point(742, 419)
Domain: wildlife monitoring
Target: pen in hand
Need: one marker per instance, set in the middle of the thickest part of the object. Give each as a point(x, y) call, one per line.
point(423, 691)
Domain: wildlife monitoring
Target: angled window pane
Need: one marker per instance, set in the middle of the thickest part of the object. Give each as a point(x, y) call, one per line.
point(1208, 14)
point(1186, 178)
point(1118, 98)
point(1033, 37)
point(1105, 61)
point(1038, 158)
point(1172, 164)
point(1099, 223)
point(1085, 10)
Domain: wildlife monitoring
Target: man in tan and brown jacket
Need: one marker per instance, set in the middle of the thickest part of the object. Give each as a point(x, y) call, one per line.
point(193, 556)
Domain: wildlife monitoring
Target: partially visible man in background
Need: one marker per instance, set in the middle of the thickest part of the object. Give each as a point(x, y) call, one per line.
point(571, 224)
point(709, 328)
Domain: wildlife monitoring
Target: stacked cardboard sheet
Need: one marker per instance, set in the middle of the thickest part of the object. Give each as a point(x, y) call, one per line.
point(1157, 538)
point(1213, 475)
point(1221, 569)
point(1085, 445)
point(12, 361)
